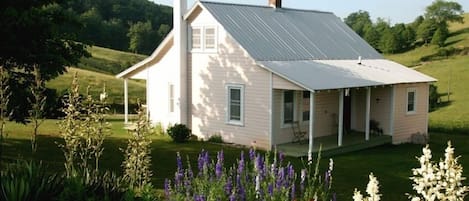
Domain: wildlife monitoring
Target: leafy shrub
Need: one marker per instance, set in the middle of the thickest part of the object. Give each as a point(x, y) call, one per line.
point(215, 138)
point(27, 180)
point(433, 98)
point(179, 133)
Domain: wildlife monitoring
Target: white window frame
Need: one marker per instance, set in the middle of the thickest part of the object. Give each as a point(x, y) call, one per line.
point(414, 111)
point(286, 125)
point(215, 39)
point(229, 121)
point(200, 38)
point(171, 100)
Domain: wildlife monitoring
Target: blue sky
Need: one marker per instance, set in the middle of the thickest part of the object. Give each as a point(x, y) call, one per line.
point(394, 10)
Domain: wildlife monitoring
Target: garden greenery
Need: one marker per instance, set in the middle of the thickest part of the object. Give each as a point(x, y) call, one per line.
point(179, 133)
point(137, 158)
point(37, 102)
point(4, 98)
point(432, 181)
point(83, 130)
point(255, 177)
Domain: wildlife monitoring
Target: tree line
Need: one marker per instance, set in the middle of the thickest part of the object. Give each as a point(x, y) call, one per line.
point(128, 25)
point(430, 28)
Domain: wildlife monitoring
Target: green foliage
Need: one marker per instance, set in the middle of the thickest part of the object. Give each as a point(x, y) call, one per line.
point(215, 138)
point(444, 11)
point(440, 37)
point(27, 180)
point(179, 133)
point(107, 23)
point(4, 99)
point(389, 42)
point(434, 97)
point(426, 30)
point(141, 37)
point(32, 38)
point(38, 103)
point(137, 156)
point(359, 21)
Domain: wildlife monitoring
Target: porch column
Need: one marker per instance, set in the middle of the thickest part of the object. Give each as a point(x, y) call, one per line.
point(311, 126)
point(367, 115)
point(341, 117)
point(126, 101)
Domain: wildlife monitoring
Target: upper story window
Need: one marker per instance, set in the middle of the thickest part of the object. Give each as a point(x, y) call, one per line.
point(210, 38)
point(196, 38)
point(204, 39)
point(411, 100)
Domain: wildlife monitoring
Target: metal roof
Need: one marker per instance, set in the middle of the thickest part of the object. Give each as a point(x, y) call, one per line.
point(282, 34)
point(337, 74)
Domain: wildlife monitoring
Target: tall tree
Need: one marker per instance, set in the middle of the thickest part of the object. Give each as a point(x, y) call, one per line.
point(359, 21)
point(442, 11)
point(32, 36)
point(141, 35)
point(426, 30)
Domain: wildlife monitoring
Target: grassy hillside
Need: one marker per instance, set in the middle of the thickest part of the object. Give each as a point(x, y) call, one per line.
point(109, 61)
point(452, 74)
point(100, 70)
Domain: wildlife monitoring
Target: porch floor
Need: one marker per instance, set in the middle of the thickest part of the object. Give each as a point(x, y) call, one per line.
point(351, 142)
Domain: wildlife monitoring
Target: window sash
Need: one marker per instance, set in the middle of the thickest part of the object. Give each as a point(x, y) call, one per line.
point(288, 107)
point(196, 38)
point(411, 101)
point(171, 97)
point(235, 104)
point(209, 39)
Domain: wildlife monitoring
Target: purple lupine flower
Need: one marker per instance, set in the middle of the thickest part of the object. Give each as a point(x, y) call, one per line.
point(280, 177)
point(281, 157)
point(228, 186)
point(179, 161)
point(199, 198)
point(219, 165)
point(334, 197)
point(241, 164)
point(260, 163)
point(233, 197)
point(270, 189)
point(252, 154)
point(167, 188)
point(200, 161)
point(240, 188)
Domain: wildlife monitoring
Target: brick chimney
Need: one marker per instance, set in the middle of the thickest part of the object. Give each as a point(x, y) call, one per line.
point(275, 3)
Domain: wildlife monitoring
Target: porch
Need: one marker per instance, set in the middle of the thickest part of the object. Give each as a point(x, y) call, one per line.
point(351, 142)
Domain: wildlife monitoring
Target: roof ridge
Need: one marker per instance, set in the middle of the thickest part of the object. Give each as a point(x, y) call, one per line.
point(265, 6)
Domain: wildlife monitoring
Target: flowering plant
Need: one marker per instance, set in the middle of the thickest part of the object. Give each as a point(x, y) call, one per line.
point(255, 177)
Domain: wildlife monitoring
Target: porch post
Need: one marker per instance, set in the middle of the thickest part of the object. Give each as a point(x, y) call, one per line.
point(341, 117)
point(126, 101)
point(367, 119)
point(311, 126)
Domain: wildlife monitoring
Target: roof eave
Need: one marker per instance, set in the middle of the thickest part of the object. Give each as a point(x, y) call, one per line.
point(137, 67)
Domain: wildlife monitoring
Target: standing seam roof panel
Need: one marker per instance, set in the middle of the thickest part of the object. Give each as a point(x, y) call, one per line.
point(283, 34)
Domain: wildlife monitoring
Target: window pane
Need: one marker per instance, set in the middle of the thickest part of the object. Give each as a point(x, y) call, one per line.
point(171, 97)
point(410, 101)
point(196, 38)
point(210, 38)
point(235, 104)
point(288, 112)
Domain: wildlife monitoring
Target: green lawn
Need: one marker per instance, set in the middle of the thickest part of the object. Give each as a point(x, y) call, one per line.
point(391, 164)
point(96, 81)
point(453, 115)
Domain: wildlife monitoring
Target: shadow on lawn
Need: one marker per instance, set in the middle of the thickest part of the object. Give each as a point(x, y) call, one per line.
point(163, 154)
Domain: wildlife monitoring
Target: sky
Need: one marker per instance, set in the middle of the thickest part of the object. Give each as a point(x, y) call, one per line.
point(395, 11)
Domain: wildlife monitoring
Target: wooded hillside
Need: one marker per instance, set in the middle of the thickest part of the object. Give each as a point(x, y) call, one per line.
point(129, 25)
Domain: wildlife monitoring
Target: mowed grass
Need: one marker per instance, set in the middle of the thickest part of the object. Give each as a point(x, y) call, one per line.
point(452, 74)
point(96, 81)
point(109, 61)
point(392, 164)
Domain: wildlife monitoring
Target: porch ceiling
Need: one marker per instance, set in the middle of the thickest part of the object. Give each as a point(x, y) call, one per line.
point(338, 74)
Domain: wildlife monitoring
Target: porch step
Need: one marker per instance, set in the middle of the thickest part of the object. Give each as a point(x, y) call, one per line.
point(301, 150)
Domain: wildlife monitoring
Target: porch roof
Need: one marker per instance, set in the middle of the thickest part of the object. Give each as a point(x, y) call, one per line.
point(338, 74)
